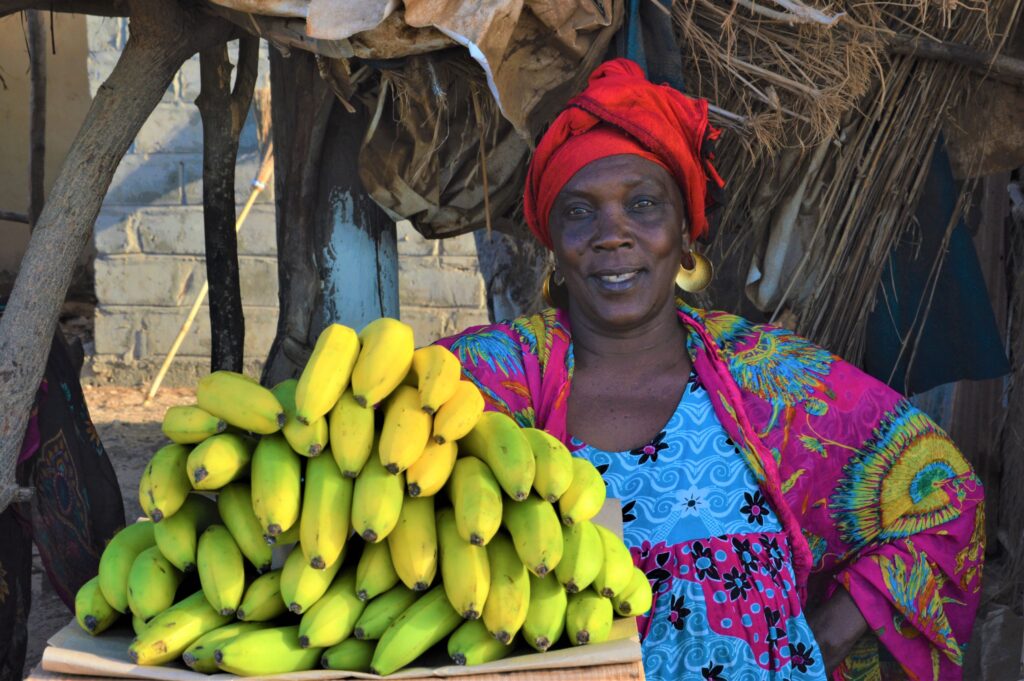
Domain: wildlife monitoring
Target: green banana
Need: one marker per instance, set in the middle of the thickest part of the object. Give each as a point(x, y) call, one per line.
point(423, 624)
point(636, 598)
point(189, 425)
point(289, 536)
point(262, 600)
point(375, 573)
point(263, 652)
point(116, 562)
point(585, 495)
point(221, 570)
point(178, 535)
point(405, 432)
point(498, 441)
point(413, 543)
point(352, 434)
point(536, 533)
point(382, 611)
point(332, 618)
point(428, 474)
point(240, 401)
point(165, 484)
point(92, 611)
point(465, 570)
point(545, 616)
point(476, 499)
point(326, 373)
point(152, 583)
point(472, 644)
point(199, 655)
point(582, 556)
point(307, 439)
point(324, 519)
point(138, 625)
point(616, 567)
point(235, 505)
point(218, 460)
point(351, 655)
point(554, 464)
point(301, 584)
point(376, 501)
point(588, 617)
point(168, 634)
point(509, 596)
point(276, 485)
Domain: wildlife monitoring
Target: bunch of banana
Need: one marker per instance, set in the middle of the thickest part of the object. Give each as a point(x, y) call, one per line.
point(384, 360)
point(221, 571)
point(327, 373)
point(189, 425)
point(152, 583)
point(326, 504)
point(218, 460)
point(240, 402)
point(308, 438)
point(165, 483)
point(262, 652)
point(117, 559)
point(276, 481)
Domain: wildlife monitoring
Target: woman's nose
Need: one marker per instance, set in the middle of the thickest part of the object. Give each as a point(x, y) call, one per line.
point(612, 229)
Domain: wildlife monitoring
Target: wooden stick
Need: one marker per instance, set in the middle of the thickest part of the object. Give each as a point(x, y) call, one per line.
point(37, 113)
point(11, 216)
point(1000, 67)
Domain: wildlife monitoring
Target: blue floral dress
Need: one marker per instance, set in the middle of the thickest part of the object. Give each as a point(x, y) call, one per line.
point(726, 606)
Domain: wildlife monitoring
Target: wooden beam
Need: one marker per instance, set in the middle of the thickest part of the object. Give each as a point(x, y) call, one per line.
point(38, 33)
point(999, 67)
point(100, 8)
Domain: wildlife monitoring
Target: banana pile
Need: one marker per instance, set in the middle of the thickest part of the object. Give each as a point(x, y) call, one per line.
point(410, 515)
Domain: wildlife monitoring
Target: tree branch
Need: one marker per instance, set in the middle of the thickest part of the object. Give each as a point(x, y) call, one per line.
point(999, 67)
point(37, 34)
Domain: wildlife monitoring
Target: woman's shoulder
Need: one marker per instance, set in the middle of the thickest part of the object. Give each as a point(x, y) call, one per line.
point(534, 334)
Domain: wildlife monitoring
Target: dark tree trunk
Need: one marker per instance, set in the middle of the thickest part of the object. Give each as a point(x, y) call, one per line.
point(37, 42)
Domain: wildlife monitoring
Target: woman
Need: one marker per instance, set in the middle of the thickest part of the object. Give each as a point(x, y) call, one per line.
point(795, 516)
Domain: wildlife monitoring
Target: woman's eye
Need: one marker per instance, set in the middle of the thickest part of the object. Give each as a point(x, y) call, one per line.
point(643, 203)
point(576, 211)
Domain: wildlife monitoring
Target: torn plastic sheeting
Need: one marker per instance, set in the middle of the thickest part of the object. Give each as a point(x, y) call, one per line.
point(270, 8)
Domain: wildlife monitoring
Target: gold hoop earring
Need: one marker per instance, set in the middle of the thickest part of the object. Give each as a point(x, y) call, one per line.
point(548, 285)
point(696, 279)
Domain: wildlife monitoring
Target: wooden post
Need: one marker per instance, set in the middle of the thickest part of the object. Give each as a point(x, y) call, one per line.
point(37, 113)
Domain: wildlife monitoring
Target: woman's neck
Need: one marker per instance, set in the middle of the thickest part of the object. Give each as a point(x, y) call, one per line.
point(657, 342)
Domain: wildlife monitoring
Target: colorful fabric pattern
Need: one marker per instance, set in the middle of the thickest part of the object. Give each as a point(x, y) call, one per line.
point(869, 492)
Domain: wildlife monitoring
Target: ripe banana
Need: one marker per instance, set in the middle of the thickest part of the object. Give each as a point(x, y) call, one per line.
point(375, 573)
point(352, 434)
point(405, 432)
point(588, 617)
point(616, 567)
point(459, 414)
point(189, 425)
point(545, 616)
point(165, 482)
point(509, 596)
point(423, 624)
point(178, 536)
point(554, 464)
point(235, 505)
point(352, 655)
point(427, 475)
point(326, 373)
point(585, 495)
point(465, 570)
point(199, 655)
point(376, 501)
point(536, 533)
point(168, 634)
point(476, 499)
point(582, 556)
point(384, 360)
point(262, 600)
point(218, 460)
point(326, 504)
point(92, 611)
point(241, 402)
point(276, 485)
point(301, 584)
point(221, 570)
point(264, 652)
point(498, 441)
point(152, 583)
point(413, 544)
point(636, 598)
point(382, 611)
point(116, 562)
point(472, 644)
point(331, 619)
point(307, 439)
point(437, 372)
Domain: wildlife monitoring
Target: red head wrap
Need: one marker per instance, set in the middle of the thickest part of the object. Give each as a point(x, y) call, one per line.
point(621, 112)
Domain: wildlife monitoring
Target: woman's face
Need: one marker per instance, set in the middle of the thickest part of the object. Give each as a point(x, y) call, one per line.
point(618, 233)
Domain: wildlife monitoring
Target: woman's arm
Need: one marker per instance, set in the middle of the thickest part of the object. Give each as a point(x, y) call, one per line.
point(837, 625)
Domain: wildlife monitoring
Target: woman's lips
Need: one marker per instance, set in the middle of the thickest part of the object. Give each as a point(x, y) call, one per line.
point(617, 280)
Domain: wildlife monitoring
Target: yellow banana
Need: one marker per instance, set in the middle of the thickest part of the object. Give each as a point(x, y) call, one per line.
point(585, 495)
point(276, 485)
point(617, 566)
point(472, 644)
point(165, 482)
point(331, 619)
point(554, 464)
point(241, 402)
point(423, 624)
point(413, 544)
point(303, 585)
point(152, 583)
point(456, 417)
point(465, 570)
point(116, 562)
point(588, 617)
point(92, 611)
point(384, 360)
point(428, 474)
point(235, 505)
point(509, 596)
point(351, 434)
point(178, 536)
point(168, 634)
point(327, 372)
point(476, 499)
point(582, 556)
point(221, 570)
point(307, 439)
point(636, 598)
point(274, 650)
point(536, 533)
point(351, 655)
point(326, 504)
point(262, 600)
point(498, 441)
point(375, 573)
point(376, 501)
point(199, 655)
point(437, 373)
point(382, 611)
point(545, 616)
point(405, 432)
point(189, 425)
point(218, 460)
